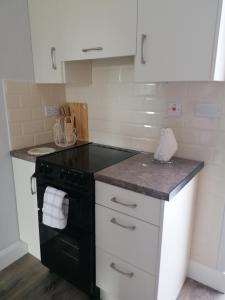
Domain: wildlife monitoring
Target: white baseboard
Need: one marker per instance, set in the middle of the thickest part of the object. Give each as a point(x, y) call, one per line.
point(12, 253)
point(206, 275)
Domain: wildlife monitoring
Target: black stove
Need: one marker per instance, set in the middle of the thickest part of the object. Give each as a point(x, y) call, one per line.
point(71, 252)
point(87, 158)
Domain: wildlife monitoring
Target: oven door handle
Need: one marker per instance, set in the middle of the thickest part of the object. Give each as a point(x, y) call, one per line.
point(33, 187)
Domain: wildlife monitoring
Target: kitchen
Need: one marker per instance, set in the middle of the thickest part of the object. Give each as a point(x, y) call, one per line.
point(132, 87)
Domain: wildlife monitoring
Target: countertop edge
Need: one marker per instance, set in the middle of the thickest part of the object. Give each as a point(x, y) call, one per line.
point(132, 187)
point(22, 153)
point(148, 191)
point(186, 180)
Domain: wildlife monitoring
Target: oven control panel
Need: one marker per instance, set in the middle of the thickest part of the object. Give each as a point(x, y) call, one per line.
point(61, 175)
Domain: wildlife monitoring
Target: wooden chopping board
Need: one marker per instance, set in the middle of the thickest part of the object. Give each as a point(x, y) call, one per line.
point(80, 112)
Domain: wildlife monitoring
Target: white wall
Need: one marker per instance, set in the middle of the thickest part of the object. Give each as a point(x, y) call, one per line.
point(15, 63)
point(130, 115)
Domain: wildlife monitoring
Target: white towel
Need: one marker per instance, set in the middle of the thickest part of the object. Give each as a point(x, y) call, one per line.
point(55, 208)
point(167, 145)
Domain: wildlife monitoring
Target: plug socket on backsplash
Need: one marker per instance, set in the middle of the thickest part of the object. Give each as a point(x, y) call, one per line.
point(51, 110)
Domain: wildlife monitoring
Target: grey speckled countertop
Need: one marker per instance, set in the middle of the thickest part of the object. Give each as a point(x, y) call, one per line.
point(142, 174)
point(22, 153)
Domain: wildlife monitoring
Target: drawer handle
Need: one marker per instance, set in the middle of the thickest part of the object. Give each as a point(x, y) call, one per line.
point(114, 221)
point(124, 204)
point(128, 274)
point(92, 49)
point(143, 38)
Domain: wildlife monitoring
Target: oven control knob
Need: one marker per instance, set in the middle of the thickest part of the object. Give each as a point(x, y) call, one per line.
point(62, 174)
point(41, 168)
point(48, 170)
point(75, 176)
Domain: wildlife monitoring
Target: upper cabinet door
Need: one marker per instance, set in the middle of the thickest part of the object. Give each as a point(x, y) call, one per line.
point(46, 41)
point(177, 40)
point(98, 28)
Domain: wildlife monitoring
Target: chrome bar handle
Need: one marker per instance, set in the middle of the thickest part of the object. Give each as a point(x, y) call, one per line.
point(54, 67)
point(33, 192)
point(114, 221)
point(143, 38)
point(128, 274)
point(123, 204)
point(92, 49)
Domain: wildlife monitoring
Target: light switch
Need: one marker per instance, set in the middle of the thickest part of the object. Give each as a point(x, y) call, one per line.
point(174, 109)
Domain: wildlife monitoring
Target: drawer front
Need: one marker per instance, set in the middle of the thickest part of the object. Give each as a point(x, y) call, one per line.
point(121, 281)
point(130, 239)
point(134, 204)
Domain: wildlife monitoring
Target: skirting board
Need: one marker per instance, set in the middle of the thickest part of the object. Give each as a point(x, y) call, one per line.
point(12, 253)
point(207, 276)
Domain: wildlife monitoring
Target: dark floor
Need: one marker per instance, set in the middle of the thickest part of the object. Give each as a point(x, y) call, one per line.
point(28, 279)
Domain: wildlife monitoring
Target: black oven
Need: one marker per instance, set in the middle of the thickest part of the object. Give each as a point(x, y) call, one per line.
point(70, 252)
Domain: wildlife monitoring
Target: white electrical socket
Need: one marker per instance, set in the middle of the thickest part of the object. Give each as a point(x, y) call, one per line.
point(174, 109)
point(51, 110)
point(208, 110)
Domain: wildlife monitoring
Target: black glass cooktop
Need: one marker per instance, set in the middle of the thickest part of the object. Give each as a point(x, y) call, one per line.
point(88, 158)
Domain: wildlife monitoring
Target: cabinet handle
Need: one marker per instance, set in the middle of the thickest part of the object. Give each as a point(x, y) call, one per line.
point(114, 221)
point(123, 204)
point(92, 49)
point(128, 274)
point(33, 192)
point(54, 67)
point(143, 38)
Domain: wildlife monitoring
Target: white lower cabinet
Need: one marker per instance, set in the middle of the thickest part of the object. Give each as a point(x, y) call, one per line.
point(122, 281)
point(26, 200)
point(136, 259)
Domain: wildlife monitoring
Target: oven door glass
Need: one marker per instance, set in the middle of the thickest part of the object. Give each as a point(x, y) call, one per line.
point(69, 256)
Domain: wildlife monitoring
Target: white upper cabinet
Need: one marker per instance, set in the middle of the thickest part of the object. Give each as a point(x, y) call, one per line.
point(180, 40)
point(98, 28)
point(46, 41)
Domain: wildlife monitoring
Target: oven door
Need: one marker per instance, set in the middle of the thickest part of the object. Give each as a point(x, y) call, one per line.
point(70, 256)
point(70, 252)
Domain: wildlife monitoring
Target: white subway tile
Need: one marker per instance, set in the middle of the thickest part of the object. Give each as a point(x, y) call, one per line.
point(32, 127)
point(15, 129)
point(19, 142)
point(30, 100)
point(19, 115)
point(43, 138)
point(127, 74)
point(13, 101)
point(146, 89)
point(49, 123)
point(201, 123)
point(17, 87)
point(210, 91)
point(38, 113)
point(172, 91)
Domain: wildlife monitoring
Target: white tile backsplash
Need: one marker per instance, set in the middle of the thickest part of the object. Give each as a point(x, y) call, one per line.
point(25, 101)
point(126, 114)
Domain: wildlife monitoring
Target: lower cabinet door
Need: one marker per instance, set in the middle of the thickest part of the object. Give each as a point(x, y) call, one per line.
point(26, 205)
point(121, 281)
